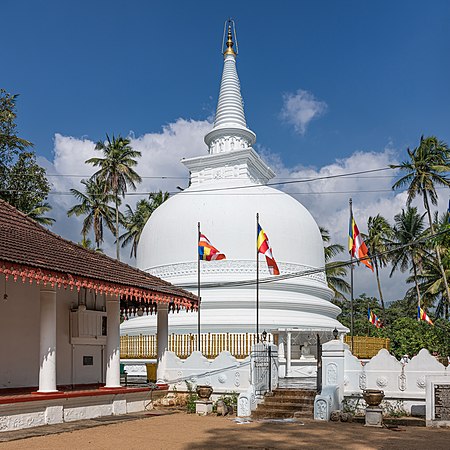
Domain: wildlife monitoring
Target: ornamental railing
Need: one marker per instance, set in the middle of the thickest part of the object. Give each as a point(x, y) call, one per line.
point(144, 346)
point(366, 347)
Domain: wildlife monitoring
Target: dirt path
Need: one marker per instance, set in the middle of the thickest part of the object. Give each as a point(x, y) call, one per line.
point(183, 431)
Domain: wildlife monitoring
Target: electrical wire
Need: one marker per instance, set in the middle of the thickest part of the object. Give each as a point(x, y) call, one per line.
point(303, 273)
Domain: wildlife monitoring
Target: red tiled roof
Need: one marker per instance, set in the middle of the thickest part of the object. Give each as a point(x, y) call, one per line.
point(25, 243)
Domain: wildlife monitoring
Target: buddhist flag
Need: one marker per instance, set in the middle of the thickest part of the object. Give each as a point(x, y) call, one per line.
point(422, 315)
point(206, 252)
point(374, 319)
point(356, 246)
point(262, 243)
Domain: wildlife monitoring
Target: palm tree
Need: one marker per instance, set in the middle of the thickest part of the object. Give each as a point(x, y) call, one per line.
point(38, 211)
point(334, 270)
point(94, 205)
point(426, 169)
point(158, 198)
point(431, 281)
point(134, 221)
point(405, 251)
point(116, 171)
point(380, 234)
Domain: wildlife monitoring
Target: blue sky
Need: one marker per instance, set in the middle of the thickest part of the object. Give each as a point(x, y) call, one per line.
point(330, 87)
point(85, 68)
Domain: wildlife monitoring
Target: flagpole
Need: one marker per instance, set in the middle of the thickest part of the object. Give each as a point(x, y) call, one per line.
point(199, 344)
point(351, 280)
point(368, 322)
point(257, 279)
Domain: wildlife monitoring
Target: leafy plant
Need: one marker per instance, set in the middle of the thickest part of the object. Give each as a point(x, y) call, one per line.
point(191, 398)
point(353, 406)
point(229, 400)
point(393, 408)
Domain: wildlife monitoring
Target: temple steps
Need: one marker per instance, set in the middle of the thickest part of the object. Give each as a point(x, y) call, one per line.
point(286, 403)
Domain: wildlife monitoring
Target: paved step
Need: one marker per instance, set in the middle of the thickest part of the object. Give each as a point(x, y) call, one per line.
point(287, 403)
point(281, 414)
point(285, 407)
point(298, 383)
point(293, 391)
point(287, 400)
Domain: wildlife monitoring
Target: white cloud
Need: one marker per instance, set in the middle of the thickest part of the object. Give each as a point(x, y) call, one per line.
point(300, 108)
point(161, 155)
point(326, 199)
point(328, 202)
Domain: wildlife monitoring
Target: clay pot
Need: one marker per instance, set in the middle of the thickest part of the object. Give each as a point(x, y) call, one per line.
point(373, 397)
point(204, 392)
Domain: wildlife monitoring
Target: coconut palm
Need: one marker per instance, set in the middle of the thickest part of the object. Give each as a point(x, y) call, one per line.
point(334, 270)
point(94, 204)
point(406, 252)
point(431, 281)
point(38, 211)
point(116, 171)
point(426, 168)
point(134, 221)
point(377, 241)
point(158, 198)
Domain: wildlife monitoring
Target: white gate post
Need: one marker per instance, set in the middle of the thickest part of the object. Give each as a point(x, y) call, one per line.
point(332, 393)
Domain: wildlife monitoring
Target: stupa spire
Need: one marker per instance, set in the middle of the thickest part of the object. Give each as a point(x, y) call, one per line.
point(230, 130)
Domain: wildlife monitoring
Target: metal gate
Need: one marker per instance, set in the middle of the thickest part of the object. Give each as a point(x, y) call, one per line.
point(319, 365)
point(264, 368)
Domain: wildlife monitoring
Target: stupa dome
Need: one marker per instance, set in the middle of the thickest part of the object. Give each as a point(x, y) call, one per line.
point(228, 218)
point(228, 187)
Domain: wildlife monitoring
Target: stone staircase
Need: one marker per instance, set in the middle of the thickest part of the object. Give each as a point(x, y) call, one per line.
point(286, 403)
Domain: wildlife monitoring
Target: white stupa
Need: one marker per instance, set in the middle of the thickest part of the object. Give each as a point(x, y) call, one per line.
point(227, 189)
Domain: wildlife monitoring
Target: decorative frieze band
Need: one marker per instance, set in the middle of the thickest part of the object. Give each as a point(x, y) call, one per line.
point(229, 266)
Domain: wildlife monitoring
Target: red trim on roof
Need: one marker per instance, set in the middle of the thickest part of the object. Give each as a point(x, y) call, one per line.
point(31, 252)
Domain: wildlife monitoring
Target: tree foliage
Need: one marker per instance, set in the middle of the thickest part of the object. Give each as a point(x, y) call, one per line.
point(94, 205)
point(116, 172)
point(23, 183)
point(134, 221)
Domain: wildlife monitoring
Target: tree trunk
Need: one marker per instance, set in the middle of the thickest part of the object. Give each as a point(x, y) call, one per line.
point(438, 254)
point(117, 228)
point(379, 289)
point(417, 287)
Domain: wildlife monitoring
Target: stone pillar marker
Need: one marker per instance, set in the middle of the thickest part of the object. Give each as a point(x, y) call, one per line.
point(47, 343)
point(162, 336)
point(113, 342)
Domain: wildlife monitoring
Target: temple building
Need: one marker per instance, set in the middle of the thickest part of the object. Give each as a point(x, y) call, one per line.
point(59, 326)
point(228, 187)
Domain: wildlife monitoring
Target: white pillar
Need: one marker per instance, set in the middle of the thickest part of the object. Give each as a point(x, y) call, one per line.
point(333, 358)
point(288, 352)
point(47, 347)
point(113, 343)
point(162, 336)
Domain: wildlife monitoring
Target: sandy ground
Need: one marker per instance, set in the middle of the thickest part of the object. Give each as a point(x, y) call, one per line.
point(183, 431)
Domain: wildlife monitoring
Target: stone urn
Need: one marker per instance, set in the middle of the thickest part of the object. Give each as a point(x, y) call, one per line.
point(373, 397)
point(204, 392)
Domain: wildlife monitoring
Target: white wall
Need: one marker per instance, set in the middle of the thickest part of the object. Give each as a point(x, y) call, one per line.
point(224, 374)
point(19, 334)
point(19, 338)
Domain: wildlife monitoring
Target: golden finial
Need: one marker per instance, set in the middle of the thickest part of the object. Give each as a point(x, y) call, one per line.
point(229, 50)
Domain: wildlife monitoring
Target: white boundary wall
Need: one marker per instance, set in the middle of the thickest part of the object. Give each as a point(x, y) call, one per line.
point(345, 377)
point(225, 374)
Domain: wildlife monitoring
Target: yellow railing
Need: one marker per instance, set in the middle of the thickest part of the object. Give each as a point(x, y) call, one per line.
point(367, 347)
point(145, 345)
